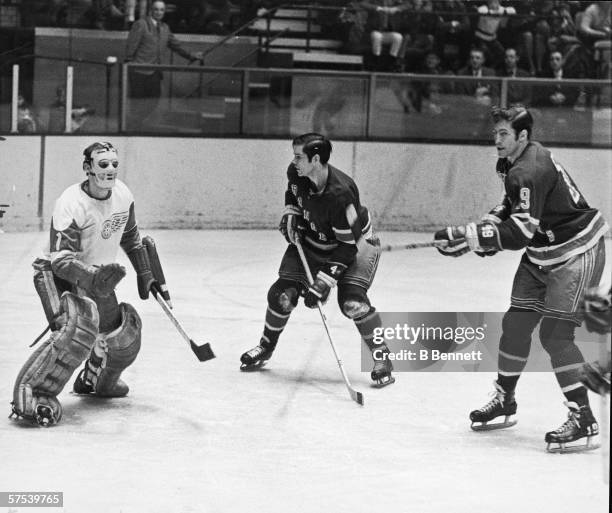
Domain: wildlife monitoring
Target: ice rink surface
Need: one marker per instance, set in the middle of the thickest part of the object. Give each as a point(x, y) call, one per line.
point(205, 437)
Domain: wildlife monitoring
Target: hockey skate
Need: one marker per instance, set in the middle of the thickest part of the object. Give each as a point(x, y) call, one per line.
point(85, 383)
point(257, 357)
point(579, 424)
point(381, 373)
point(502, 404)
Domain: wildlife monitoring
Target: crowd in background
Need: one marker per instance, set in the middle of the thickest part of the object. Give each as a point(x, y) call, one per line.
point(393, 35)
point(545, 38)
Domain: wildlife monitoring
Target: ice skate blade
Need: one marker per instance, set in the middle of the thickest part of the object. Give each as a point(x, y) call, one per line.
point(253, 367)
point(381, 383)
point(563, 448)
point(492, 427)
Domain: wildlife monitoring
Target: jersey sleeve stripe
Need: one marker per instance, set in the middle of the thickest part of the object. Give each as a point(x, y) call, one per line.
point(526, 227)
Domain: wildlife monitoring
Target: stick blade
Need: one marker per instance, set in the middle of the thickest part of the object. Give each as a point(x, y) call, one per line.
point(356, 396)
point(203, 352)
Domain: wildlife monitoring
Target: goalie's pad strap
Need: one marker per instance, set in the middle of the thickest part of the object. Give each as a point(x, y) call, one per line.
point(121, 347)
point(49, 367)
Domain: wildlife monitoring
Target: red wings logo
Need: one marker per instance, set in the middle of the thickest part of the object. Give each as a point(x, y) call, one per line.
point(113, 224)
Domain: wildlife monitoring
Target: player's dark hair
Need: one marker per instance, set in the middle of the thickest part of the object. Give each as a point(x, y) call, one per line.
point(314, 144)
point(518, 116)
point(100, 145)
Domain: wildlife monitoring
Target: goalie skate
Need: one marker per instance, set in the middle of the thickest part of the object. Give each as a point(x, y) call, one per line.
point(580, 424)
point(381, 374)
point(257, 357)
point(502, 404)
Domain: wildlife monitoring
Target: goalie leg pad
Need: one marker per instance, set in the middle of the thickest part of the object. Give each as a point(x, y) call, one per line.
point(120, 348)
point(46, 371)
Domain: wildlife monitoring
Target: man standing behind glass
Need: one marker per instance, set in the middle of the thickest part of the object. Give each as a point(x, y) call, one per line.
point(147, 41)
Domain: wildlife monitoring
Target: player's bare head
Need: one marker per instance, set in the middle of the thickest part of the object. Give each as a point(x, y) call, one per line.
point(518, 116)
point(100, 162)
point(314, 144)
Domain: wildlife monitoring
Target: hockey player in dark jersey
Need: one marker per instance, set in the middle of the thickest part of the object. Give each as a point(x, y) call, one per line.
point(76, 284)
point(323, 210)
point(544, 212)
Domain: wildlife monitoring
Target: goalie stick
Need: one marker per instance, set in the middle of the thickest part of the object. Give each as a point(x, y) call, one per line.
point(355, 395)
point(203, 352)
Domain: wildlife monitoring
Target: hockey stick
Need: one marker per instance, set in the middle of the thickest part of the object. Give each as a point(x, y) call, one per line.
point(411, 245)
point(355, 396)
point(203, 352)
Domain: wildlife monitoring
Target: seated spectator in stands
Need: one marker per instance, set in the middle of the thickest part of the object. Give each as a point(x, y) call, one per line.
point(562, 30)
point(517, 92)
point(595, 30)
point(384, 26)
point(352, 21)
point(428, 97)
point(453, 33)
point(481, 90)
point(557, 95)
point(419, 27)
point(485, 34)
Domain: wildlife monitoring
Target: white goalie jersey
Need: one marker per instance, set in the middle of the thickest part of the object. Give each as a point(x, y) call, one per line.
point(91, 229)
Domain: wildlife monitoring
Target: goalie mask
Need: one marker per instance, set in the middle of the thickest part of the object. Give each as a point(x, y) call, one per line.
point(101, 164)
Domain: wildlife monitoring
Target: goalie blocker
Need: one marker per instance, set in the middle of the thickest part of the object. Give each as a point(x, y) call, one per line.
point(149, 273)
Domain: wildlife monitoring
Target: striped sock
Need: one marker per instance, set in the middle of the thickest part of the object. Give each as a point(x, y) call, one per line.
point(274, 325)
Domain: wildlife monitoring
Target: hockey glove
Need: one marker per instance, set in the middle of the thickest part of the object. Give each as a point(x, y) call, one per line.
point(292, 227)
point(597, 312)
point(144, 276)
point(326, 280)
point(451, 241)
point(105, 279)
point(595, 378)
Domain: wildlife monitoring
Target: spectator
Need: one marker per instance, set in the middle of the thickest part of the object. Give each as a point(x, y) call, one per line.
point(492, 17)
point(529, 31)
point(27, 120)
point(517, 92)
point(384, 27)
point(595, 30)
point(557, 95)
point(57, 114)
point(562, 30)
point(481, 90)
point(419, 28)
point(453, 33)
point(428, 98)
point(147, 41)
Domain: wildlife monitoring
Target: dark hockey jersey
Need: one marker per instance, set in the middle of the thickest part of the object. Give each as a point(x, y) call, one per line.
point(543, 210)
point(335, 218)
